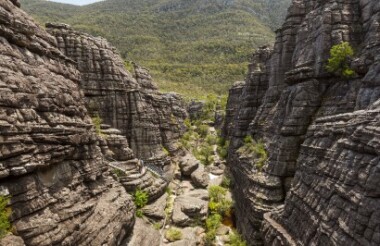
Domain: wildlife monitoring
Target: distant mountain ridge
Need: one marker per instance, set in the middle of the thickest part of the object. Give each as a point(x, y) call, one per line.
point(200, 45)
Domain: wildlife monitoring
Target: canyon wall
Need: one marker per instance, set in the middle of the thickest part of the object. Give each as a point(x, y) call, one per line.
point(151, 121)
point(58, 163)
point(51, 164)
point(319, 185)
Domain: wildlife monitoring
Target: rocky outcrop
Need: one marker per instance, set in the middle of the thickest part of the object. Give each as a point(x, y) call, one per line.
point(321, 132)
point(151, 121)
point(51, 162)
point(125, 168)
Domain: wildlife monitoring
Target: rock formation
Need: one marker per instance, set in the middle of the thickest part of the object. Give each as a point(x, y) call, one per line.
point(320, 183)
point(151, 121)
point(51, 164)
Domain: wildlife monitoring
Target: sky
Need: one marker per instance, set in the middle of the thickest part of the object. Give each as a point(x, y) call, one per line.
point(76, 2)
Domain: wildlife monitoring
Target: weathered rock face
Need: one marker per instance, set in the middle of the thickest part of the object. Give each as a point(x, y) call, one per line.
point(151, 121)
point(51, 164)
point(320, 183)
point(127, 169)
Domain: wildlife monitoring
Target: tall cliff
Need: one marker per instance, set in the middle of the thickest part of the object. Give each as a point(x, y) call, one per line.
point(150, 120)
point(55, 164)
point(51, 164)
point(320, 183)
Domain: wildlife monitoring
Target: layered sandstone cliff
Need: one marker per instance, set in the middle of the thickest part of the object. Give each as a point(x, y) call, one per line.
point(320, 183)
point(51, 164)
point(68, 178)
point(150, 120)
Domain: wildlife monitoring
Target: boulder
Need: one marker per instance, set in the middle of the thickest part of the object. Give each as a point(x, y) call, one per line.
point(188, 164)
point(200, 177)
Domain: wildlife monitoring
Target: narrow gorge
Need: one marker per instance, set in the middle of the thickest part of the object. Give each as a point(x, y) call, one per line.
point(93, 153)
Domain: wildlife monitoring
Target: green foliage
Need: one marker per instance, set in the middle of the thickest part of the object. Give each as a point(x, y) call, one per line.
point(236, 239)
point(248, 139)
point(157, 226)
point(218, 202)
point(166, 151)
point(338, 62)
point(211, 139)
point(168, 190)
point(173, 234)
point(118, 172)
point(140, 198)
point(222, 148)
point(202, 130)
point(139, 213)
point(212, 223)
point(97, 121)
point(204, 153)
point(5, 212)
point(226, 182)
point(187, 123)
point(254, 149)
point(192, 47)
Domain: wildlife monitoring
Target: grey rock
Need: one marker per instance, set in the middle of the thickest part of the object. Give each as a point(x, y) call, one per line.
point(51, 163)
point(127, 101)
point(189, 209)
point(188, 164)
point(200, 177)
point(319, 131)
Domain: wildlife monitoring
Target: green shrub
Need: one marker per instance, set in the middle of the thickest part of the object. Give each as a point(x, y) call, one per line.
point(5, 212)
point(222, 148)
point(157, 226)
point(165, 150)
point(97, 121)
point(212, 223)
point(173, 234)
point(254, 149)
point(338, 62)
point(216, 192)
point(205, 154)
point(187, 123)
point(140, 198)
point(202, 130)
point(226, 182)
point(118, 172)
point(236, 239)
point(211, 139)
point(218, 203)
point(139, 213)
point(248, 139)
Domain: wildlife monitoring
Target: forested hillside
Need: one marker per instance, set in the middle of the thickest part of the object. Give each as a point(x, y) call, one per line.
point(192, 47)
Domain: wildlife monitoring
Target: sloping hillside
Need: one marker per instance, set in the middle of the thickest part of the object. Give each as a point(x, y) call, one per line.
point(192, 47)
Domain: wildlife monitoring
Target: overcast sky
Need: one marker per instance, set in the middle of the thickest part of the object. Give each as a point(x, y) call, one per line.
point(76, 2)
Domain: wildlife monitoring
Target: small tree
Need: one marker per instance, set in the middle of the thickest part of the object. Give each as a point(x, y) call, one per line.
point(5, 212)
point(338, 62)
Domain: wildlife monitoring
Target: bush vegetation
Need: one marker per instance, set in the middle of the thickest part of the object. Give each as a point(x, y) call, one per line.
point(222, 148)
point(218, 202)
point(173, 234)
point(118, 172)
point(5, 212)
point(192, 47)
point(97, 121)
point(226, 182)
point(254, 149)
point(140, 199)
point(339, 61)
point(236, 239)
point(212, 224)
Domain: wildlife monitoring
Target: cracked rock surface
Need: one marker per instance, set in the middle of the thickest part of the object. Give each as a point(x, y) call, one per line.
point(51, 164)
point(319, 185)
